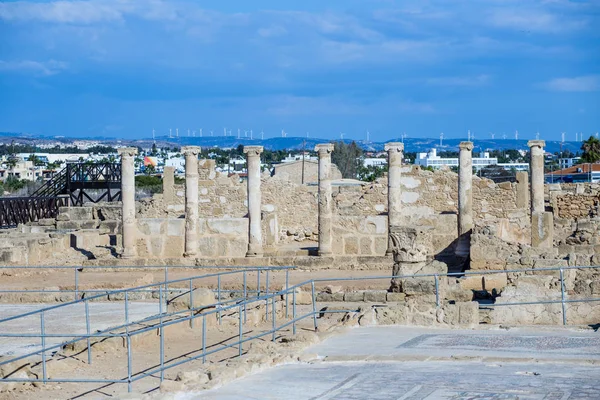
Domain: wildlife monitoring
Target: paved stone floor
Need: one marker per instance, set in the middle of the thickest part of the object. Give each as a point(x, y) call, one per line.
point(428, 364)
point(63, 320)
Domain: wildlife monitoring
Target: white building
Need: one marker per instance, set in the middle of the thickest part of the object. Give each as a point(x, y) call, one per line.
point(19, 169)
point(568, 162)
point(515, 166)
point(375, 162)
point(298, 157)
point(431, 159)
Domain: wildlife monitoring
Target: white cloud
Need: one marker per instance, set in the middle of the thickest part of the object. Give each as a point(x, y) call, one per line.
point(535, 20)
point(46, 68)
point(588, 83)
point(478, 80)
point(85, 12)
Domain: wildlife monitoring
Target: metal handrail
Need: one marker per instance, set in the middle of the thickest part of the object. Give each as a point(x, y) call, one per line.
point(270, 298)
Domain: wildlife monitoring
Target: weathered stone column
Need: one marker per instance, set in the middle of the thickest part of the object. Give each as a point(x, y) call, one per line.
point(128, 200)
point(325, 215)
point(255, 245)
point(536, 170)
point(191, 199)
point(395, 155)
point(465, 198)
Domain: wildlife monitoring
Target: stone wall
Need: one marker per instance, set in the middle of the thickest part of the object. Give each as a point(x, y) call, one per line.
point(575, 206)
point(218, 237)
point(358, 235)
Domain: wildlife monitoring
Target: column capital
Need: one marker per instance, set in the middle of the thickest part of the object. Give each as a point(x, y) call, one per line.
point(536, 143)
point(394, 146)
point(324, 148)
point(253, 150)
point(127, 151)
point(465, 146)
point(191, 150)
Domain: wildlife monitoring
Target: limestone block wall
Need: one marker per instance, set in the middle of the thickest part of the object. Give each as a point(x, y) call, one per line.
point(575, 206)
point(218, 237)
point(359, 235)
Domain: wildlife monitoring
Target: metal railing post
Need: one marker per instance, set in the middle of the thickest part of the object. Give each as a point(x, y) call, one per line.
point(43, 336)
point(219, 296)
point(88, 330)
point(314, 303)
point(241, 329)
point(562, 296)
point(128, 363)
point(267, 284)
point(161, 333)
point(191, 305)
point(273, 317)
point(287, 284)
point(294, 312)
point(245, 295)
point(437, 291)
point(203, 339)
point(76, 284)
point(127, 309)
point(257, 282)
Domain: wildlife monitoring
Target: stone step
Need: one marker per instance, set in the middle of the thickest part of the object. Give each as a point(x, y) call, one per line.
point(75, 214)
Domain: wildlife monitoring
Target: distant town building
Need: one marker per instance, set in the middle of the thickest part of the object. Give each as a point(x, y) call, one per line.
point(576, 173)
point(298, 157)
point(568, 162)
point(375, 162)
point(431, 159)
point(19, 168)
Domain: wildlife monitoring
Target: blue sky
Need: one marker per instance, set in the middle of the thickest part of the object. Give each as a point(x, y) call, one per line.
point(122, 68)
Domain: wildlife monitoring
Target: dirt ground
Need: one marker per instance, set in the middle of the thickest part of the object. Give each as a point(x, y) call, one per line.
point(89, 279)
point(109, 361)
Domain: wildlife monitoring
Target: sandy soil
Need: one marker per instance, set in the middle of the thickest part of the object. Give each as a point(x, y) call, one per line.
point(109, 361)
point(94, 279)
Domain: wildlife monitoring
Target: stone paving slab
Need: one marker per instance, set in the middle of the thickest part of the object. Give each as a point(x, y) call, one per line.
point(64, 320)
point(413, 380)
point(409, 363)
point(391, 342)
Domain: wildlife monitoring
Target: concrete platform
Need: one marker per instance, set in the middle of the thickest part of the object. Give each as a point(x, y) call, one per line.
point(64, 320)
point(407, 363)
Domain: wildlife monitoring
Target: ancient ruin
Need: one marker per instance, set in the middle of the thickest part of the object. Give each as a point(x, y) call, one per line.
point(460, 250)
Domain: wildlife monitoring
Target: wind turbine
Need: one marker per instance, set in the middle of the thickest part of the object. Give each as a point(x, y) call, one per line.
point(194, 133)
point(238, 133)
point(493, 134)
point(562, 137)
point(342, 135)
point(211, 133)
point(262, 135)
point(504, 136)
point(170, 133)
point(250, 134)
point(177, 132)
point(403, 136)
point(596, 135)
point(537, 135)
point(224, 131)
point(307, 135)
point(516, 135)
point(200, 132)
point(154, 140)
point(441, 139)
point(188, 132)
point(469, 135)
point(368, 136)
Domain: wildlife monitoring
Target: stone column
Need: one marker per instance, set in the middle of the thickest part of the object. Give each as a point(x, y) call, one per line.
point(191, 199)
point(128, 200)
point(395, 154)
point(255, 245)
point(536, 170)
point(465, 198)
point(325, 217)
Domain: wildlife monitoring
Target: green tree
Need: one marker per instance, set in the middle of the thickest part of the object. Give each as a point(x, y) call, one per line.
point(591, 150)
point(347, 158)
